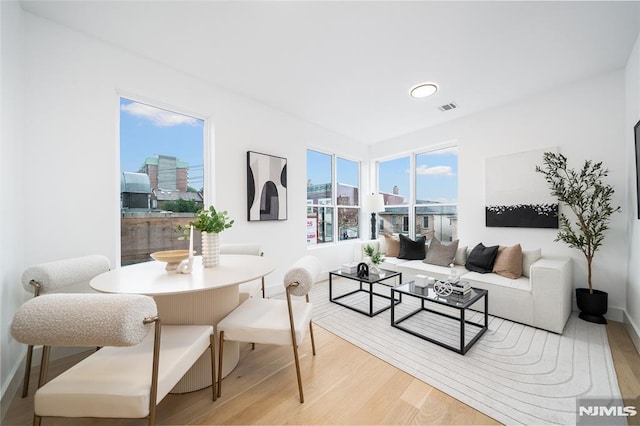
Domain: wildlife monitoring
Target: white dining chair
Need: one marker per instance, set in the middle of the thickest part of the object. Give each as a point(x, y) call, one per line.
point(70, 275)
point(131, 372)
point(251, 288)
point(275, 321)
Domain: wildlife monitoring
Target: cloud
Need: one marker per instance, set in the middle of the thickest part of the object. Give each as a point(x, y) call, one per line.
point(159, 117)
point(433, 171)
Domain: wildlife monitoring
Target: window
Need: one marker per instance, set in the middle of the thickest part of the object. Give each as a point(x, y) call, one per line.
point(161, 178)
point(425, 183)
point(324, 198)
point(436, 183)
point(393, 183)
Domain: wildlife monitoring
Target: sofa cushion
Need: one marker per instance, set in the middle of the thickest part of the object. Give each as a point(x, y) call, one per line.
point(529, 257)
point(392, 245)
point(481, 258)
point(412, 250)
point(508, 262)
point(441, 254)
point(461, 255)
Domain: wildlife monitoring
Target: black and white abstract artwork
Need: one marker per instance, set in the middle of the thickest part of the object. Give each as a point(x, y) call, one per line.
point(266, 187)
point(517, 195)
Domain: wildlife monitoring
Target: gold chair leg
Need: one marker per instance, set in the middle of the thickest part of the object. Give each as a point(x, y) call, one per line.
point(36, 420)
point(295, 356)
point(212, 347)
point(313, 342)
point(27, 371)
point(220, 350)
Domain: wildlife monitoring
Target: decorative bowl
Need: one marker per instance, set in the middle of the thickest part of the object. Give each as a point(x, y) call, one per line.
point(171, 257)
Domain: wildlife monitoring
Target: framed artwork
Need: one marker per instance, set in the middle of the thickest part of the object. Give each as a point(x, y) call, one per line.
point(266, 187)
point(516, 195)
point(636, 132)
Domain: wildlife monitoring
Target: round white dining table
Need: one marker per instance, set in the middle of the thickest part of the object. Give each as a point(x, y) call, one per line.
point(204, 296)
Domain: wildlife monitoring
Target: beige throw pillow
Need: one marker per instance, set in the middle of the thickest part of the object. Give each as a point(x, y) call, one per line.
point(509, 262)
point(393, 245)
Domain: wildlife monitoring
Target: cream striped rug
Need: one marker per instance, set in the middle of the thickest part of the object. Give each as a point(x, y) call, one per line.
point(514, 373)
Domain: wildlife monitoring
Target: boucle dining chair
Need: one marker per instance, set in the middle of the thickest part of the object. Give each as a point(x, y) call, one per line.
point(70, 275)
point(275, 321)
point(251, 288)
point(132, 371)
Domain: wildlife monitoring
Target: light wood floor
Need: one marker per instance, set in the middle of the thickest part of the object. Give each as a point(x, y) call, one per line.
point(343, 385)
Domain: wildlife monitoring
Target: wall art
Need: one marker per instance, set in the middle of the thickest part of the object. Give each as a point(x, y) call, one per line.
point(516, 195)
point(266, 187)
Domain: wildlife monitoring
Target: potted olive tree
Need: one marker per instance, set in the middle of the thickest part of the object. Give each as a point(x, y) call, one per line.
point(589, 199)
point(210, 223)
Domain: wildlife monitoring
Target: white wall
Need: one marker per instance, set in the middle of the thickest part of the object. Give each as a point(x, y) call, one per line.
point(632, 78)
point(11, 171)
point(586, 121)
point(70, 174)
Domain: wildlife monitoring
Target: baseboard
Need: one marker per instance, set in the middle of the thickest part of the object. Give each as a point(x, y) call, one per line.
point(14, 387)
point(633, 330)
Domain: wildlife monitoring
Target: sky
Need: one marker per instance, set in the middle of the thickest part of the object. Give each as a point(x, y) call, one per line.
point(146, 131)
point(436, 174)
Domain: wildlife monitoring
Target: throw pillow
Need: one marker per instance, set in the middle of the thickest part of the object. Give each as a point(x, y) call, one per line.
point(461, 256)
point(508, 262)
point(412, 250)
point(529, 257)
point(441, 254)
point(481, 258)
point(393, 245)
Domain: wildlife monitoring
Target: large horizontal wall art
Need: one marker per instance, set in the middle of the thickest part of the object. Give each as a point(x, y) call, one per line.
point(266, 187)
point(516, 195)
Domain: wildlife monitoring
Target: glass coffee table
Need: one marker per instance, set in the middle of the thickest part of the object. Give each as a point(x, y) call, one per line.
point(365, 286)
point(441, 326)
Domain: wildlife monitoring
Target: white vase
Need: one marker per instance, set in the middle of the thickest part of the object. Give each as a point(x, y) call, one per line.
point(374, 269)
point(210, 249)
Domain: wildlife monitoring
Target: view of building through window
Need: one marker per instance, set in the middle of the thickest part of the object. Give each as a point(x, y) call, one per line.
point(433, 198)
point(324, 198)
point(162, 178)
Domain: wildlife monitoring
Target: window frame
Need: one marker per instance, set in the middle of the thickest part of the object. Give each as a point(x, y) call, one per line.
point(412, 205)
point(208, 155)
point(336, 238)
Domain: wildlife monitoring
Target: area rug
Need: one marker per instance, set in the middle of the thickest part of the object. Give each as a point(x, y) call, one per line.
point(514, 373)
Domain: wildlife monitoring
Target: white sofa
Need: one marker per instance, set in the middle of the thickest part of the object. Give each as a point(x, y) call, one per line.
point(540, 298)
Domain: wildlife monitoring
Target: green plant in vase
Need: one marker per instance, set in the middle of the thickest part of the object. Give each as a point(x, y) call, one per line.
point(210, 222)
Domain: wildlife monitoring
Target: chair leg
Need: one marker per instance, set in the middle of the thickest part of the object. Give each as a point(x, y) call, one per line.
point(295, 356)
point(220, 350)
point(36, 420)
point(212, 347)
point(27, 371)
point(44, 366)
point(313, 342)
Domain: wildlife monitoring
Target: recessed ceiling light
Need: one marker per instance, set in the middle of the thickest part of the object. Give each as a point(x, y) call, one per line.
point(423, 90)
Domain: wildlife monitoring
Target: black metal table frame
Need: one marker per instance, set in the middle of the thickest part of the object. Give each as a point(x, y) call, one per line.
point(463, 348)
point(371, 292)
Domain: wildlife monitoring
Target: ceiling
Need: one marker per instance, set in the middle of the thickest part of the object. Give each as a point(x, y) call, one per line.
point(348, 66)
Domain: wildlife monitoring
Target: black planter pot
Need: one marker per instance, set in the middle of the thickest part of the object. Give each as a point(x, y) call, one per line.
point(592, 306)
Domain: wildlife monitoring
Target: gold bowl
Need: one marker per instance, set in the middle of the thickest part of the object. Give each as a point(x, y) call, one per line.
point(171, 257)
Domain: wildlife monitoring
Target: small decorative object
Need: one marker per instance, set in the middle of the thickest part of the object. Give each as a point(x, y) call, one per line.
point(453, 277)
point(210, 223)
point(442, 288)
point(171, 257)
point(420, 281)
point(186, 266)
point(363, 270)
point(266, 187)
point(589, 198)
point(431, 281)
